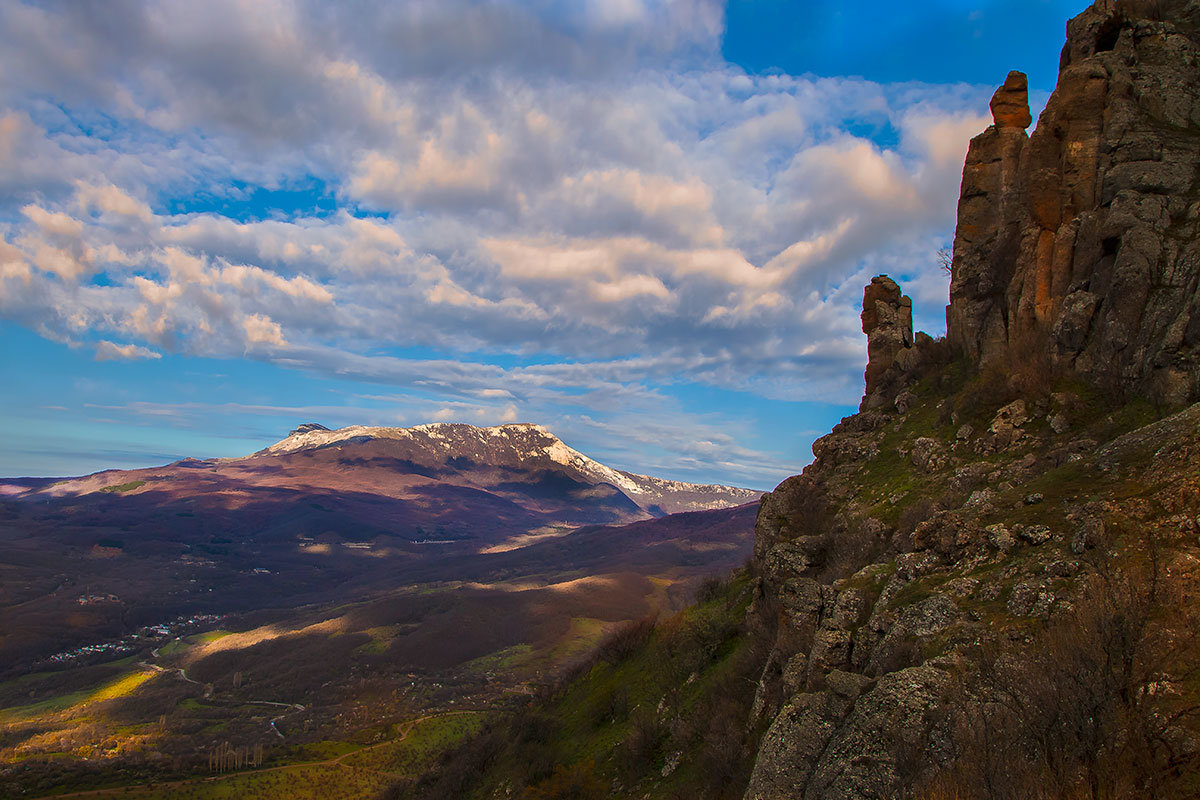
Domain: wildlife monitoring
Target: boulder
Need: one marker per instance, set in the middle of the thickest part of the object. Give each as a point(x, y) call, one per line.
point(862, 759)
point(1010, 103)
point(792, 746)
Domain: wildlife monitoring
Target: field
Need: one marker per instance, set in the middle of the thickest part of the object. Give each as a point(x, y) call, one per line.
point(314, 688)
point(358, 772)
point(233, 608)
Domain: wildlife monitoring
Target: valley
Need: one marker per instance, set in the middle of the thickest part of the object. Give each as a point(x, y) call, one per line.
point(320, 593)
point(984, 584)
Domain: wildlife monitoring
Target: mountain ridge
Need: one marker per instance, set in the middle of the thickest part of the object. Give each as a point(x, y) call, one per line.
point(509, 444)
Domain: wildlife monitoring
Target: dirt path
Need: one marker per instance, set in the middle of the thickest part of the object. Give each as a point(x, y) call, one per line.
point(330, 762)
point(208, 691)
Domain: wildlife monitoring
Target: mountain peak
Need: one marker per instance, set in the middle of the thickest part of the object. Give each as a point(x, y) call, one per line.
point(522, 445)
point(308, 426)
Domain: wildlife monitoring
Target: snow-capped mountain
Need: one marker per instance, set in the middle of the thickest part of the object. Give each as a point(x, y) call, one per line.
point(518, 446)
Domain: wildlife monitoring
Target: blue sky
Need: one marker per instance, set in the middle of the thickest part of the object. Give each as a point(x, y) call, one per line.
point(645, 225)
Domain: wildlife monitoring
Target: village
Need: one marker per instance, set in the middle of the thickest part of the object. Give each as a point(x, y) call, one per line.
point(138, 640)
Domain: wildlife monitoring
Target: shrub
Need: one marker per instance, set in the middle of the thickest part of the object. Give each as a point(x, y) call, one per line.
point(575, 782)
point(1094, 707)
point(625, 639)
point(642, 747)
point(709, 589)
point(844, 551)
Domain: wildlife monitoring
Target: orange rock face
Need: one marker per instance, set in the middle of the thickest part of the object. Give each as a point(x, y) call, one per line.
point(1010, 103)
point(1084, 237)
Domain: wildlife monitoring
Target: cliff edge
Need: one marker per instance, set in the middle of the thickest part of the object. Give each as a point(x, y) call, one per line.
point(984, 584)
point(1079, 242)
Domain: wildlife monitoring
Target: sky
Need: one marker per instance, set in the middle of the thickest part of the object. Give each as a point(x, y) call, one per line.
point(645, 225)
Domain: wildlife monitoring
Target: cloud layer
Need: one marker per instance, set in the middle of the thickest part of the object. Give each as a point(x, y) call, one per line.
point(538, 209)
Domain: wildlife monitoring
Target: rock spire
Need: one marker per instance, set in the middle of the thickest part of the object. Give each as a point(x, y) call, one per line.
point(1080, 243)
point(887, 322)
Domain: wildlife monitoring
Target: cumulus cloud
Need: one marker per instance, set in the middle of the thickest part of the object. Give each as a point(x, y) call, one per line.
point(586, 187)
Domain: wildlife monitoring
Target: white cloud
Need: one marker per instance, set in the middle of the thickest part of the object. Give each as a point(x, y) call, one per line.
point(261, 329)
point(629, 287)
point(582, 183)
point(12, 264)
point(108, 199)
point(109, 351)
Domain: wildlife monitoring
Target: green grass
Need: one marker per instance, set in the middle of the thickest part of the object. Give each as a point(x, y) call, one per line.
point(119, 488)
point(381, 638)
point(172, 647)
point(374, 646)
point(47, 706)
point(917, 590)
point(121, 686)
point(420, 748)
point(684, 668)
point(208, 637)
point(501, 660)
point(361, 775)
point(319, 751)
point(306, 783)
point(871, 579)
point(583, 635)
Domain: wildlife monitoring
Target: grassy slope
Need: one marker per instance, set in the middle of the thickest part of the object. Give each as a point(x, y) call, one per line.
point(656, 712)
point(618, 726)
point(345, 773)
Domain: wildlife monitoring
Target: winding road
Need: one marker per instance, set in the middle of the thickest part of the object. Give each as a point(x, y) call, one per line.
point(208, 691)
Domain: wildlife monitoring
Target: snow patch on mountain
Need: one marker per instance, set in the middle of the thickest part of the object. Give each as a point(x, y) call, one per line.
point(526, 442)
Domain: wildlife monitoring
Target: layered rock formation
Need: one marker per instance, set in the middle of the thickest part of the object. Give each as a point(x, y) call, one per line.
point(1080, 242)
point(958, 514)
point(887, 322)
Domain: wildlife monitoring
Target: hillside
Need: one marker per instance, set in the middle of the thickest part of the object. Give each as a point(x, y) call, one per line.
point(525, 447)
point(352, 581)
point(985, 585)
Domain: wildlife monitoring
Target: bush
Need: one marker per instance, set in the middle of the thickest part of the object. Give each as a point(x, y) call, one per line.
point(843, 551)
point(575, 782)
point(709, 589)
point(1094, 707)
point(642, 747)
point(625, 640)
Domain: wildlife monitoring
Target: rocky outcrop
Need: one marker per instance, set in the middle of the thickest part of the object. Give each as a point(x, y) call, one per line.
point(1010, 103)
point(1080, 243)
point(887, 322)
point(926, 527)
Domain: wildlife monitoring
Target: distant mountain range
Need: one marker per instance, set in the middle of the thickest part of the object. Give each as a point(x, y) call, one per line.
point(325, 516)
point(526, 447)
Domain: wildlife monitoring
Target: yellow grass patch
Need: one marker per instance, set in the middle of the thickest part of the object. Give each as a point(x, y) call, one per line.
point(526, 539)
point(121, 687)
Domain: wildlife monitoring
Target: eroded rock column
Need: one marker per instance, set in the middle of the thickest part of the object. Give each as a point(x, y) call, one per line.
point(887, 322)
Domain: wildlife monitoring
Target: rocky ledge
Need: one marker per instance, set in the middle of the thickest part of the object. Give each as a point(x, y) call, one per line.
point(983, 586)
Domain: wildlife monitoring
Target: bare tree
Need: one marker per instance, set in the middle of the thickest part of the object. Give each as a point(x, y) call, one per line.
point(945, 260)
point(1097, 706)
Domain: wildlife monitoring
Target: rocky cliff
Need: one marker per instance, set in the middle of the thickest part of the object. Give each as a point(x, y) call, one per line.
point(983, 586)
point(1079, 242)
